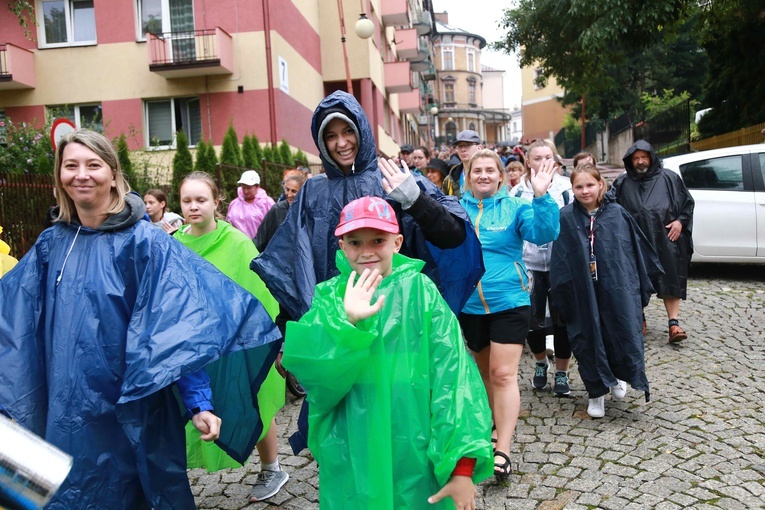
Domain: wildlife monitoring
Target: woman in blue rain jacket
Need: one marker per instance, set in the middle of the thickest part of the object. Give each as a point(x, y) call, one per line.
point(99, 320)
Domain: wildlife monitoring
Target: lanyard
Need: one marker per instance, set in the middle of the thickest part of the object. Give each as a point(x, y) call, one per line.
point(592, 236)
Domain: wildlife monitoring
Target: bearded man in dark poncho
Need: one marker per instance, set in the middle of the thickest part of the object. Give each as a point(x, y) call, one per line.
point(663, 208)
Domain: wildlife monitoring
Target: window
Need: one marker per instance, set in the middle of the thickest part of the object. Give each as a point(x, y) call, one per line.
point(539, 78)
point(84, 116)
point(449, 92)
point(166, 117)
point(718, 173)
point(762, 155)
point(160, 16)
point(451, 132)
point(471, 92)
point(67, 22)
point(471, 126)
point(471, 59)
point(447, 58)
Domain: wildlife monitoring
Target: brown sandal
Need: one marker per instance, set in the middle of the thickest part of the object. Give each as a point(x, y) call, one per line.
point(676, 333)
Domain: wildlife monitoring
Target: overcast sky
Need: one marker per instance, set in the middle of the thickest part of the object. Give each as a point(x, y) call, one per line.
point(482, 17)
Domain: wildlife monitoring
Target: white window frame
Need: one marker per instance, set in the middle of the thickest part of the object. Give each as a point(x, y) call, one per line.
point(76, 111)
point(470, 59)
point(444, 50)
point(447, 85)
point(69, 26)
point(165, 9)
point(538, 72)
point(173, 123)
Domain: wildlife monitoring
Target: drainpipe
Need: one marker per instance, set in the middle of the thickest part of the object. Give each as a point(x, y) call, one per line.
point(270, 71)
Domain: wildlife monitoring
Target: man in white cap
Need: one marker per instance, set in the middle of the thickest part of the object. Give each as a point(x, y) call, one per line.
point(246, 212)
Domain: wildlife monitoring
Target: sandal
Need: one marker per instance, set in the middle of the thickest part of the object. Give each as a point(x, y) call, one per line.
point(502, 470)
point(676, 333)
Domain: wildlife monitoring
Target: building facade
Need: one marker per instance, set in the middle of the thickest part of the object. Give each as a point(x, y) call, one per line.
point(543, 113)
point(467, 97)
point(149, 68)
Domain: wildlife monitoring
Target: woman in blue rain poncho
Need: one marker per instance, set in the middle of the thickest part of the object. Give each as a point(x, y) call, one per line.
point(99, 320)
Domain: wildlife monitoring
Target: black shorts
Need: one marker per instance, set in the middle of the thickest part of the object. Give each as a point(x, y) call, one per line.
point(506, 327)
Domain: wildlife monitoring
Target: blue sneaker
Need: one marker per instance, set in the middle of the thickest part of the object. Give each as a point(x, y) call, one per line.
point(540, 376)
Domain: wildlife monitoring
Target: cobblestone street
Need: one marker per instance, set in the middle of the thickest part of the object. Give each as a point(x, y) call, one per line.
point(699, 443)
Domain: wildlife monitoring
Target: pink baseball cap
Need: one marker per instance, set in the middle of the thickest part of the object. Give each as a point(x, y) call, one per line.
point(367, 212)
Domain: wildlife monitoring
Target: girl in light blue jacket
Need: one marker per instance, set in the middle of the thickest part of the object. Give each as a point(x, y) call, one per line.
point(495, 319)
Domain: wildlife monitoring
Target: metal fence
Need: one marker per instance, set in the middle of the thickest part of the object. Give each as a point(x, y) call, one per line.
point(24, 203)
point(669, 132)
point(743, 136)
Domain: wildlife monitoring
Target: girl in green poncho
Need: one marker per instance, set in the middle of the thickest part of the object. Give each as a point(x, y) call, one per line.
point(398, 415)
point(231, 251)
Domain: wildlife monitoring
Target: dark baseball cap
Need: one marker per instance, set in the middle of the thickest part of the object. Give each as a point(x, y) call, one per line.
point(468, 136)
point(438, 164)
point(407, 148)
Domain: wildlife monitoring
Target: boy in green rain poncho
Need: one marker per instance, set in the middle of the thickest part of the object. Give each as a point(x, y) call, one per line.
point(398, 414)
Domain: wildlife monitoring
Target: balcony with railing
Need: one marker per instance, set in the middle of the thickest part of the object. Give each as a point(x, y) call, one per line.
point(409, 102)
point(410, 46)
point(395, 13)
point(422, 22)
point(191, 53)
point(17, 68)
point(398, 77)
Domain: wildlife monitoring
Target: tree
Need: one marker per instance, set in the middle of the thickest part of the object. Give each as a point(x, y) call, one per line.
point(202, 163)
point(183, 165)
point(24, 11)
point(258, 150)
point(249, 157)
point(127, 166)
point(593, 48)
point(733, 36)
point(300, 158)
point(268, 154)
point(286, 154)
point(230, 154)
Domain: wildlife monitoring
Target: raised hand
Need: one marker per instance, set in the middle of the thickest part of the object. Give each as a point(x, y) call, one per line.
point(358, 296)
point(392, 175)
point(541, 179)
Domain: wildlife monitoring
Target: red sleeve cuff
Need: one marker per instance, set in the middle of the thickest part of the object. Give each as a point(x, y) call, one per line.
point(464, 467)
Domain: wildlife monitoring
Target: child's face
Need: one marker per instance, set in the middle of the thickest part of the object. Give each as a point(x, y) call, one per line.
point(198, 206)
point(587, 190)
point(369, 248)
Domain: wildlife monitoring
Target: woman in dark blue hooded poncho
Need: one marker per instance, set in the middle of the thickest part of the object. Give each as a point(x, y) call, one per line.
point(99, 320)
point(302, 252)
point(435, 227)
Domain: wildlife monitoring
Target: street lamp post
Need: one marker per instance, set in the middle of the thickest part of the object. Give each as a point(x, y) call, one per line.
point(364, 28)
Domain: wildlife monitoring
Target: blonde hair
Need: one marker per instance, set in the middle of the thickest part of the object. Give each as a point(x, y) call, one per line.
point(205, 177)
point(104, 149)
point(536, 144)
point(515, 165)
point(490, 154)
point(591, 170)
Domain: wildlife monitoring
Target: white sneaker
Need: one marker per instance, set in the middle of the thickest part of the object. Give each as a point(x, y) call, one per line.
point(619, 391)
point(597, 407)
point(550, 346)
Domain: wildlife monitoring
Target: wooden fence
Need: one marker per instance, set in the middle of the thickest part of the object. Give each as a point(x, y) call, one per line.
point(24, 203)
point(743, 136)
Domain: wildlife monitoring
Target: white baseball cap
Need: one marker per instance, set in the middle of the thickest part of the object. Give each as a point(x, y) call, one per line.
point(250, 178)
